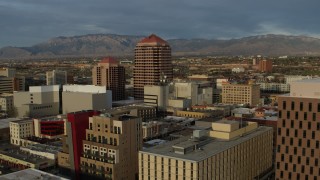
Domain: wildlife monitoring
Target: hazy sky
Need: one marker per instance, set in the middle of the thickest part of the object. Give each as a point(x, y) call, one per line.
point(27, 22)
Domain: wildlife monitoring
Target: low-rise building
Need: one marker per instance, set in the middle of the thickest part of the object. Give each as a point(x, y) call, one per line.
point(31, 174)
point(19, 130)
point(50, 127)
point(15, 158)
point(198, 114)
point(44, 150)
point(221, 153)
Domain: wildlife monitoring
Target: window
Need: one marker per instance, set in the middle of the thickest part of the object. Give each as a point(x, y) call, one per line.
point(304, 116)
point(292, 105)
point(310, 106)
point(318, 107)
point(296, 115)
point(288, 114)
point(314, 116)
point(301, 106)
point(300, 124)
point(284, 105)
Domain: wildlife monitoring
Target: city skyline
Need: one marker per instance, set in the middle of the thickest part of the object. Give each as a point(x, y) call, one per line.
point(28, 23)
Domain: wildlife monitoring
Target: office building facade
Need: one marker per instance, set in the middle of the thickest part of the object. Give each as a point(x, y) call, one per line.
point(241, 94)
point(298, 152)
point(111, 74)
point(56, 77)
point(221, 153)
point(152, 62)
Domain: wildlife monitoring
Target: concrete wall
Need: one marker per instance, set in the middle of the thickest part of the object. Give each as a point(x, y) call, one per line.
point(78, 101)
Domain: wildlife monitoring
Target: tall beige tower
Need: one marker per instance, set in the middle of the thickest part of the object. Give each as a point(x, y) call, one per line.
point(110, 150)
point(152, 59)
point(110, 74)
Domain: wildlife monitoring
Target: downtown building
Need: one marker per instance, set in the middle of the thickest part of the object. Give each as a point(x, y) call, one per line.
point(56, 77)
point(9, 82)
point(298, 152)
point(111, 74)
point(101, 146)
point(230, 150)
point(241, 93)
point(111, 146)
point(152, 63)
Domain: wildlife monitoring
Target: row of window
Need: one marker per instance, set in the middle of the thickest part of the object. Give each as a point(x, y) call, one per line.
point(301, 106)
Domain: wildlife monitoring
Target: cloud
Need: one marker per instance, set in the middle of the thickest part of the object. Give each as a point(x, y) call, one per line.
point(25, 23)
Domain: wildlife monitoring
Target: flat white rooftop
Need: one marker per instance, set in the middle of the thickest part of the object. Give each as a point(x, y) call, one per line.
point(30, 174)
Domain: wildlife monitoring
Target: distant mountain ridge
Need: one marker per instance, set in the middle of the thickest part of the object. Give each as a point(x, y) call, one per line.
point(123, 45)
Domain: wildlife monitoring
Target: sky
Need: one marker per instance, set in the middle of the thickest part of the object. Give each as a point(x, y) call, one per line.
point(28, 22)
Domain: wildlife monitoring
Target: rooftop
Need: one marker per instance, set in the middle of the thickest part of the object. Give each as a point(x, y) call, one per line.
point(109, 60)
point(22, 121)
point(153, 39)
point(44, 148)
point(30, 174)
point(211, 146)
point(4, 123)
point(24, 156)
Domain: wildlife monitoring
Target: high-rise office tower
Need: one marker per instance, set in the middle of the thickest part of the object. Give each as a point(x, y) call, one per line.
point(152, 61)
point(298, 152)
point(56, 77)
point(110, 150)
point(109, 73)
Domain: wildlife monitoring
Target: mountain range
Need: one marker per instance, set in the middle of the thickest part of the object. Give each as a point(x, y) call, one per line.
point(123, 45)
